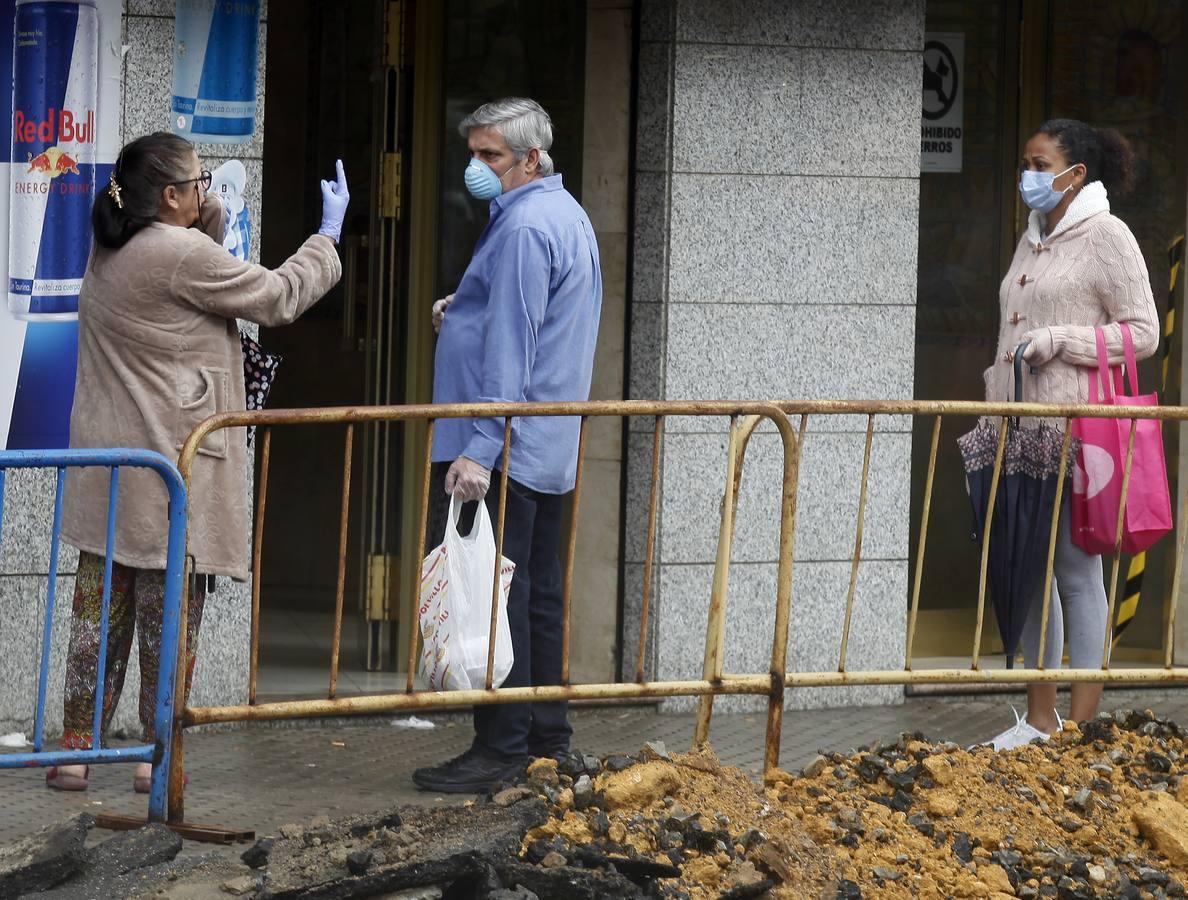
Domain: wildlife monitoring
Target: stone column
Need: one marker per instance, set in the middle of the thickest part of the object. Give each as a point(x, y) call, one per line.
point(776, 212)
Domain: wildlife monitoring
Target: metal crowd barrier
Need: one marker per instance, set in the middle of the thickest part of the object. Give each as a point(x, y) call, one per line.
point(411, 698)
point(976, 673)
point(159, 752)
point(744, 417)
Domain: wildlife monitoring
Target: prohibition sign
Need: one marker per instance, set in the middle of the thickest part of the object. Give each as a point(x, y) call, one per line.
point(940, 80)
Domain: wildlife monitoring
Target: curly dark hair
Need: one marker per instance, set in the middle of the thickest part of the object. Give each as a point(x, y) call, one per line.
point(1107, 155)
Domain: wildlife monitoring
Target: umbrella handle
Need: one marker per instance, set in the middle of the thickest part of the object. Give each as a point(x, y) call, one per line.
point(1018, 361)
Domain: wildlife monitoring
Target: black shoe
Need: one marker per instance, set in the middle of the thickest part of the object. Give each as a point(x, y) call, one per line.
point(474, 772)
point(557, 753)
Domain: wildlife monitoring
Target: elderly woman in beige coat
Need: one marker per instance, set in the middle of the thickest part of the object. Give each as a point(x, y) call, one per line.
point(1078, 267)
point(159, 351)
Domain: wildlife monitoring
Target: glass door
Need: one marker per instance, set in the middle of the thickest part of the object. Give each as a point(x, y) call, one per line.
point(1109, 64)
point(966, 239)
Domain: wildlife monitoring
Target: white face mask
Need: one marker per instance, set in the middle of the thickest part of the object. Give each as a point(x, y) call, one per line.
point(1037, 191)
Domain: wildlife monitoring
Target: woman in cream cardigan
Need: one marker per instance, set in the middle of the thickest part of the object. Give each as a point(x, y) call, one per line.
point(158, 352)
point(1076, 268)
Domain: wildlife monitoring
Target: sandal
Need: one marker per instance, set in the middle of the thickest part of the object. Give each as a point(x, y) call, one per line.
point(57, 778)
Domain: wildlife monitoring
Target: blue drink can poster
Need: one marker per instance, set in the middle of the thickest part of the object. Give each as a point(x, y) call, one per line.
point(59, 134)
point(52, 180)
point(214, 70)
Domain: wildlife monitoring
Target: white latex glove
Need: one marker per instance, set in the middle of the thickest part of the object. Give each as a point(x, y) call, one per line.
point(1044, 345)
point(439, 311)
point(467, 480)
point(335, 198)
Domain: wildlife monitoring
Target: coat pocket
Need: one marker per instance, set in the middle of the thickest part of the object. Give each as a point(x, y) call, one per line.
point(215, 398)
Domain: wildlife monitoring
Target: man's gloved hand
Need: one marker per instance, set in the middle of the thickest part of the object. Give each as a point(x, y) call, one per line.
point(467, 480)
point(335, 198)
point(1044, 345)
point(439, 311)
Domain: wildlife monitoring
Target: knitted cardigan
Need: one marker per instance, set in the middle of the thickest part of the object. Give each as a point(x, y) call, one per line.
point(1088, 272)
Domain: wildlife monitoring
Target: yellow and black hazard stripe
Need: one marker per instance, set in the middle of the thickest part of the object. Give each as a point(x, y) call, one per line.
point(1138, 563)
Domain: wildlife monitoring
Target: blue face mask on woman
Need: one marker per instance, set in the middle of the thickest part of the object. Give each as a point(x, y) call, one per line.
point(1037, 191)
point(481, 180)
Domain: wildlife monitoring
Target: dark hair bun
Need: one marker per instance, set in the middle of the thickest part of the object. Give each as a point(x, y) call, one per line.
point(1117, 161)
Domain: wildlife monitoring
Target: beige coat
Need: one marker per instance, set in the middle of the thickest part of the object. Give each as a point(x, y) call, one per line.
point(158, 352)
point(1089, 272)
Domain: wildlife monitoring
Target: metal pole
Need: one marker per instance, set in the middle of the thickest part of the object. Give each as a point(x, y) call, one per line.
point(414, 628)
point(1109, 639)
point(977, 644)
point(845, 641)
point(711, 669)
point(177, 758)
point(650, 552)
point(498, 579)
point(257, 557)
point(779, 645)
point(1169, 638)
point(371, 704)
point(1052, 535)
point(567, 591)
point(340, 587)
point(924, 515)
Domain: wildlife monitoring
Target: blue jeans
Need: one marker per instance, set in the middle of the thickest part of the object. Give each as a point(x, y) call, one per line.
point(532, 540)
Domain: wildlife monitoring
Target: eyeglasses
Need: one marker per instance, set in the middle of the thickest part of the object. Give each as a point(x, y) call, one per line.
point(202, 180)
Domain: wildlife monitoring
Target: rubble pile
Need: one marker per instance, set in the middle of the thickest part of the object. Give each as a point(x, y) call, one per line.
point(1096, 812)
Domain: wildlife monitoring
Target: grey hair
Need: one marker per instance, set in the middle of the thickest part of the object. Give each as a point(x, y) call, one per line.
point(522, 122)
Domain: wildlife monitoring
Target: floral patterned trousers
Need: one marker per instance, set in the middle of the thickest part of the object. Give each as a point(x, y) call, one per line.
point(137, 602)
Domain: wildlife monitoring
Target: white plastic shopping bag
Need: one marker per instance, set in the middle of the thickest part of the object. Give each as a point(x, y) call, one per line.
point(455, 607)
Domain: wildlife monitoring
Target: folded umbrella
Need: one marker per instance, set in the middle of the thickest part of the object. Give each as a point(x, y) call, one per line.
point(1021, 521)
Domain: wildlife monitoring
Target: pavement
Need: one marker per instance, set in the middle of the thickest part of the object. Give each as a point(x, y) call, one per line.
point(259, 777)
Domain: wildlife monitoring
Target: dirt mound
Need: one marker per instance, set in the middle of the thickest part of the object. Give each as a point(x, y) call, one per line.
point(1093, 813)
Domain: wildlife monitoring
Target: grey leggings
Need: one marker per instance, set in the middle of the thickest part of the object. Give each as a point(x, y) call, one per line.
point(1082, 595)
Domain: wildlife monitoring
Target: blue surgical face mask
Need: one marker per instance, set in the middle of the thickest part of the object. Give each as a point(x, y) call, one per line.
point(1037, 191)
point(482, 182)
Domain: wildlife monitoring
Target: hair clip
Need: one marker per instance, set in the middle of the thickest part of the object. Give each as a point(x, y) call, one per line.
point(113, 191)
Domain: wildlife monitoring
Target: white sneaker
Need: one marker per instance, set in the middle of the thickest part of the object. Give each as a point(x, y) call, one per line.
point(1022, 732)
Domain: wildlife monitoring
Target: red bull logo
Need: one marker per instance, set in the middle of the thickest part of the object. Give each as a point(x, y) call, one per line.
point(58, 127)
point(53, 162)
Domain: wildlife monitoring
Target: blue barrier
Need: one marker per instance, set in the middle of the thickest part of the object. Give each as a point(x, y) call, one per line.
point(159, 753)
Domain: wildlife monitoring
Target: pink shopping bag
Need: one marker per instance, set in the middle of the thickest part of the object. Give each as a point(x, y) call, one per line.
point(1101, 459)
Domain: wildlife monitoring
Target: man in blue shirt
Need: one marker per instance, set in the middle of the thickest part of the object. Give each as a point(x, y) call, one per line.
point(521, 327)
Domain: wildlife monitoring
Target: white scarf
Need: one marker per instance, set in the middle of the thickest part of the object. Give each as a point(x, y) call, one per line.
point(1091, 200)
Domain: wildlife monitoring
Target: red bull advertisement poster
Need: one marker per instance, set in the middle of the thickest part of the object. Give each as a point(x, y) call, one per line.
point(214, 70)
point(60, 77)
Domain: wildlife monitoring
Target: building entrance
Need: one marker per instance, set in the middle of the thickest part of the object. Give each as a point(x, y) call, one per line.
point(1111, 64)
point(380, 84)
point(336, 75)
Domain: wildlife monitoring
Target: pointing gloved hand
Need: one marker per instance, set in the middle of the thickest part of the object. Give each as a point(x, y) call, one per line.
point(439, 311)
point(1044, 345)
point(467, 480)
point(335, 198)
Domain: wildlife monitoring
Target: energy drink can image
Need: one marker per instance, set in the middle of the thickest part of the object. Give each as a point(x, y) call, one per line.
point(214, 70)
point(52, 174)
point(228, 182)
